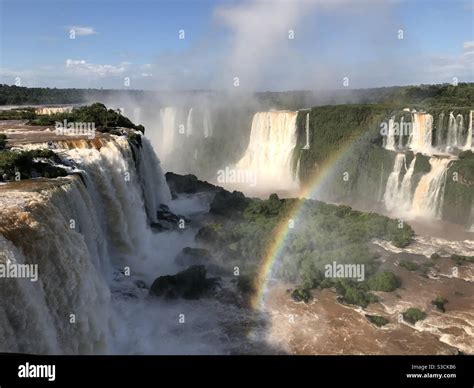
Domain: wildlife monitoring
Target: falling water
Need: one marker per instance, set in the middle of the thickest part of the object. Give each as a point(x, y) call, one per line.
point(270, 149)
point(427, 200)
point(390, 145)
point(306, 147)
point(189, 123)
point(468, 144)
point(168, 127)
point(391, 194)
point(452, 141)
point(421, 136)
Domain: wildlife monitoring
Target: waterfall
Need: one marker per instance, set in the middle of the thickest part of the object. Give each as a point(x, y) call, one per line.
point(401, 132)
point(427, 200)
point(78, 232)
point(269, 153)
point(152, 180)
point(440, 128)
point(452, 141)
point(468, 144)
point(307, 146)
point(390, 145)
point(406, 187)
point(168, 128)
point(421, 136)
point(207, 124)
point(391, 194)
point(189, 123)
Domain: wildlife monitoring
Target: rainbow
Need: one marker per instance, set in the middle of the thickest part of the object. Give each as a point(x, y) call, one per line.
point(281, 231)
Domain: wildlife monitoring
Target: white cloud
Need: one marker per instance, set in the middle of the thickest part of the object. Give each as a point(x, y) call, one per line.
point(82, 31)
point(82, 67)
point(468, 46)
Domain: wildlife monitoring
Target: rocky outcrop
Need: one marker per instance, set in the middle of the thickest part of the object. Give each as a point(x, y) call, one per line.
point(227, 204)
point(193, 256)
point(188, 184)
point(167, 220)
point(191, 283)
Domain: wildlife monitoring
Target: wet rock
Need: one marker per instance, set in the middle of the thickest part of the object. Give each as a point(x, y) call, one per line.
point(167, 220)
point(193, 256)
point(227, 203)
point(191, 283)
point(188, 184)
point(301, 295)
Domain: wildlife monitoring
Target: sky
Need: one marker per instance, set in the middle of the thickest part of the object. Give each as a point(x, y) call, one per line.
point(247, 44)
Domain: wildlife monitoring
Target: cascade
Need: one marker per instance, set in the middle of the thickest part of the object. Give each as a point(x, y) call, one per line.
point(428, 197)
point(306, 147)
point(269, 153)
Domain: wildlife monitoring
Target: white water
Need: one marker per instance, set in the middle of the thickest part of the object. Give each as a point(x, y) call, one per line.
point(421, 136)
point(391, 191)
point(189, 123)
point(452, 141)
point(79, 267)
point(307, 146)
point(405, 192)
point(428, 197)
point(270, 149)
point(168, 131)
point(468, 144)
point(391, 135)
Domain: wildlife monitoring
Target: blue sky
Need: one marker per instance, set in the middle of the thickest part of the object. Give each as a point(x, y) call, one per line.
point(138, 41)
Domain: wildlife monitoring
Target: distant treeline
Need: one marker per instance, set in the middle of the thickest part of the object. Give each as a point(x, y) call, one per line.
point(423, 95)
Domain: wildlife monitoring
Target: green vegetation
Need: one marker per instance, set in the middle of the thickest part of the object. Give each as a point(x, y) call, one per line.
point(3, 141)
point(459, 191)
point(30, 164)
point(413, 315)
point(435, 256)
point(460, 260)
point(18, 114)
point(421, 96)
point(409, 265)
point(301, 295)
point(377, 320)
point(326, 234)
point(439, 303)
point(355, 293)
point(384, 281)
point(104, 119)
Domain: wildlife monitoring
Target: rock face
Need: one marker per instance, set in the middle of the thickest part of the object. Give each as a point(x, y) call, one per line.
point(188, 184)
point(191, 283)
point(193, 256)
point(167, 220)
point(227, 203)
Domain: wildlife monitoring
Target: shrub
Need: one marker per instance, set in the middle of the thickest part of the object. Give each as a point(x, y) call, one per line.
point(377, 320)
point(409, 265)
point(413, 315)
point(3, 141)
point(439, 303)
point(301, 295)
point(384, 281)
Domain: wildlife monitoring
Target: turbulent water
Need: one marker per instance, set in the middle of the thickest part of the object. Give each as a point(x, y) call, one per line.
point(270, 150)
point(427, 199)
point(401, 197)
point(92, 242)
